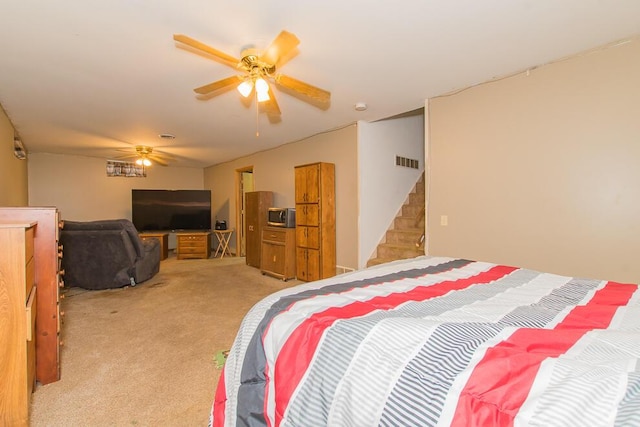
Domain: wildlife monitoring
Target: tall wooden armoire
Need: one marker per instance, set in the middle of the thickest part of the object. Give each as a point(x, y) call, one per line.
point(315, 221)
point(256, 205)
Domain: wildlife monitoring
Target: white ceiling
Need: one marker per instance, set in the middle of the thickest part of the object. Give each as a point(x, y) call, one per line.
point(91, 77)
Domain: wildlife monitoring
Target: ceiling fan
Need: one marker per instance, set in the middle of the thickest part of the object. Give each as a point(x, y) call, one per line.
point(259, 70)
point(145, 156)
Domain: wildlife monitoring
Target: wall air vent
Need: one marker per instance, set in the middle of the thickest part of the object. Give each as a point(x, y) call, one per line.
point(407, 163)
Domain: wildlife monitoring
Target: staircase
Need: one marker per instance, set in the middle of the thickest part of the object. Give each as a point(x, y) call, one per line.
point(405, 237)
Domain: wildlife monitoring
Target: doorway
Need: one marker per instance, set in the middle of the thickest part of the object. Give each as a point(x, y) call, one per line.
point(244, 184)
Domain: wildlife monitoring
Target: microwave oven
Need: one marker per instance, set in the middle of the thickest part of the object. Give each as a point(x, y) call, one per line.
point(281, 217)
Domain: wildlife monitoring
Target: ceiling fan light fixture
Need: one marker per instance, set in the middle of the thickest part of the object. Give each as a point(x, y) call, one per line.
point(262, 89)
point(263, 96)
point(261, 85)
point(245, 88)
point(143, 162)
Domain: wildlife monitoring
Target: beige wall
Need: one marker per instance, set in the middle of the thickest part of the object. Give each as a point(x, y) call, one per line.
point(13, 172)
point(543, 170)
point(80, 188)
point(274, 171)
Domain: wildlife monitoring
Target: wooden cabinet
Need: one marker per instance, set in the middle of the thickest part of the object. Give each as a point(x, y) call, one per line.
point(18, 311)
point(255, 219)
point(164, 242)
point(278, 252)
point(193, 245)
point(315, 221)
point(48, 277)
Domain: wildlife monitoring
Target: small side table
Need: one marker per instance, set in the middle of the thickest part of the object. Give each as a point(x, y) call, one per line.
point(223, 236)
point(193, 245)
point(164, 242)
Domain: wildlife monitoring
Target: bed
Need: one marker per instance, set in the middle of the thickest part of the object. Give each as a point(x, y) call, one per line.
point(437, 341)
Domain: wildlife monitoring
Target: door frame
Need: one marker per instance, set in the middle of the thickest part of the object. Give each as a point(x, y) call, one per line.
point(240, 234)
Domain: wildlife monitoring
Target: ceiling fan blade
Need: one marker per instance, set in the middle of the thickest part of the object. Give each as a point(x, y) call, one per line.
point(218, 85)
point(319, 95)
point(271, 106)
point(282, 46)
point(158, 160)
point(225, 58)
point(127, 156)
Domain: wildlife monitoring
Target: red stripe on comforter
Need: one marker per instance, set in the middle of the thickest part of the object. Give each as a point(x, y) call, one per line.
point(219, 403)
point(522, 354)
point(298, 351)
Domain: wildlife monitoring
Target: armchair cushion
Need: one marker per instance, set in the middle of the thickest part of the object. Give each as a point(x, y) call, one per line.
point(107, 254)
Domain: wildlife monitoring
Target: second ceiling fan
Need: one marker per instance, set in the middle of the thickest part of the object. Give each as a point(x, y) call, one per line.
point(259, 72)
point(144, 156)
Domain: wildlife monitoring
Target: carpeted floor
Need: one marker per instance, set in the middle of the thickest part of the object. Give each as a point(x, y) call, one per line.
point(145, 355)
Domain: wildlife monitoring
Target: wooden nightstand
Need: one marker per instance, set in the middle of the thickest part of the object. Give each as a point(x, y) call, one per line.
point(164, 242)
point(193, 245)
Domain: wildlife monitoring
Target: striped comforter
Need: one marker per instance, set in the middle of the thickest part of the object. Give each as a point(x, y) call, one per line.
point(437, 341)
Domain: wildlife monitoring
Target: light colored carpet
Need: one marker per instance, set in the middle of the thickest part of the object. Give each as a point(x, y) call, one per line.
point(144, 355)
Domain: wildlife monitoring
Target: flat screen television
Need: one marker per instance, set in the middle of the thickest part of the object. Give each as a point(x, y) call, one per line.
point(171, 210)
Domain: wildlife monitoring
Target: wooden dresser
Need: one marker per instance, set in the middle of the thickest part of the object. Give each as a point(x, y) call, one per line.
point(279, 252)
point(18, 306)
point(48, 278)
point(193, 245)
point(315, 221)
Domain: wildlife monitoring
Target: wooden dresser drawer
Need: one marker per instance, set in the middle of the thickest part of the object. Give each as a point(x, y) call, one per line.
point(274, 235)
point(30, 276)
point(186, 247)
point(191, 249)
point(31, 310)
point(31, 315)
point(192, 238)
point(28, 248)
point(192, 244)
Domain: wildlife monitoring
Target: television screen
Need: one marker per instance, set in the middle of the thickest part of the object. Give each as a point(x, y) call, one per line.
point(171, 210)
